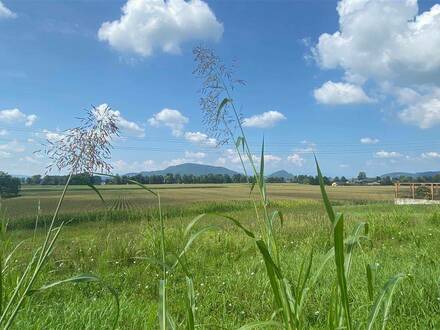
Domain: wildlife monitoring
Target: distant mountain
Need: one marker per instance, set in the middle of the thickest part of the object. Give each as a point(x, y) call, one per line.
point(281, 174)
point(412, 175)
point(188, 169)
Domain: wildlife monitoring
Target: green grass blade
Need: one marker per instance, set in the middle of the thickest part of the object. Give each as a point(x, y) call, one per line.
point(238, 224)
point(261, 325)
point(81, 279)
point(193, 223)
point(190, 305)
point(162, 306)
point(370, 280)
point(221, 106)
point(327, 204)
point(97, 192)
point(384, 297)
point(338, 235)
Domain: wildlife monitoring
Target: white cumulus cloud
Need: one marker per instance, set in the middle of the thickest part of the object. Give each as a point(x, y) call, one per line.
point(424, 111)
point(146, 26)
point(169, 118)
point(393, 45)
point(12, 147)
point(430, 155)
point(122, 166)
point(387, 154)
point(338, 93)
point(271, 158)
point(369, 140)
point(15, 116)
point(195, 155)
point(264, 120)
point(123, 124)
point(200, 139)
point(6, 12)
point(296, 159)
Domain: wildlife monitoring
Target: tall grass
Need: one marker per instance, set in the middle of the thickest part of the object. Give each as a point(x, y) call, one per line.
point(289, 296)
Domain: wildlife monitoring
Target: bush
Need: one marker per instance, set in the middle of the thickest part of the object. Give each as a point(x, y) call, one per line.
point(9, 186)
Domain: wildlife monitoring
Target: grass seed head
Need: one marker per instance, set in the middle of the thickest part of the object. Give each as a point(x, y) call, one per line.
point(87, 147)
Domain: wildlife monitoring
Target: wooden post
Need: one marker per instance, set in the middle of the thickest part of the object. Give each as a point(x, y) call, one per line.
point(413, 191)
point(432, 191)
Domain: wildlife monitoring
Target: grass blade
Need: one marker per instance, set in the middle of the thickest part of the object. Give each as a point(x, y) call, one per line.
point(97, 192)
point(338, 235)
point(327, 204)
point(384, 297)
point(81, 279)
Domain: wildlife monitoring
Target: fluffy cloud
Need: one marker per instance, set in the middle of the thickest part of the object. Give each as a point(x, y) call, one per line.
point(12, 147)
point(308, 147)
point(51, 136)
point(200, 139)
point(123, 124)
point(296, 159)
point(3, 132)
point(424, 110)
point(369, 140)
point(387, 154)
point(149, 25)
point(264, 120)
point(169, 118)
point(14, 116)
point(122, 166)
point(392, 44)
point(5, 12)
point(337, 93)
point(195, 155)
point(5, 154)
point(384, 39)
point(271, 158)
point(430, 155)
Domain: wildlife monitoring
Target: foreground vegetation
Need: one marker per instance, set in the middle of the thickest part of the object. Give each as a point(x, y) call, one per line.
point(230, 279)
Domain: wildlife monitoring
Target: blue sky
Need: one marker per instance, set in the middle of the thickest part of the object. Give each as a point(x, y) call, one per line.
point(354, 81)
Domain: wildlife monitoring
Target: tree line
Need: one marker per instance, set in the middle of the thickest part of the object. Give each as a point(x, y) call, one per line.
point(9, 186)
point(85, 179)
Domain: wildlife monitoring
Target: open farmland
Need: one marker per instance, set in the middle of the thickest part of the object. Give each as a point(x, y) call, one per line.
point(231, 287)
point(230, 280)
point(83, 199)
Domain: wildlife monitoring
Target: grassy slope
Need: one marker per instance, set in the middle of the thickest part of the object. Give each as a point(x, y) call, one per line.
point(231, 285)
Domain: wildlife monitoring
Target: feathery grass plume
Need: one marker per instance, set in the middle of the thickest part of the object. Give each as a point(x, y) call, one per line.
point(217, 82)
point(86, 148)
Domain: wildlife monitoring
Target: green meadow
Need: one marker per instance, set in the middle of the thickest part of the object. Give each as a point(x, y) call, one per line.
point(118, 241)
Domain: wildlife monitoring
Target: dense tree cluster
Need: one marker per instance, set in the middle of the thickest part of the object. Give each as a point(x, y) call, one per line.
point(177, 178)
point(78, 179)
point(9, 186)
point(85, 179)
